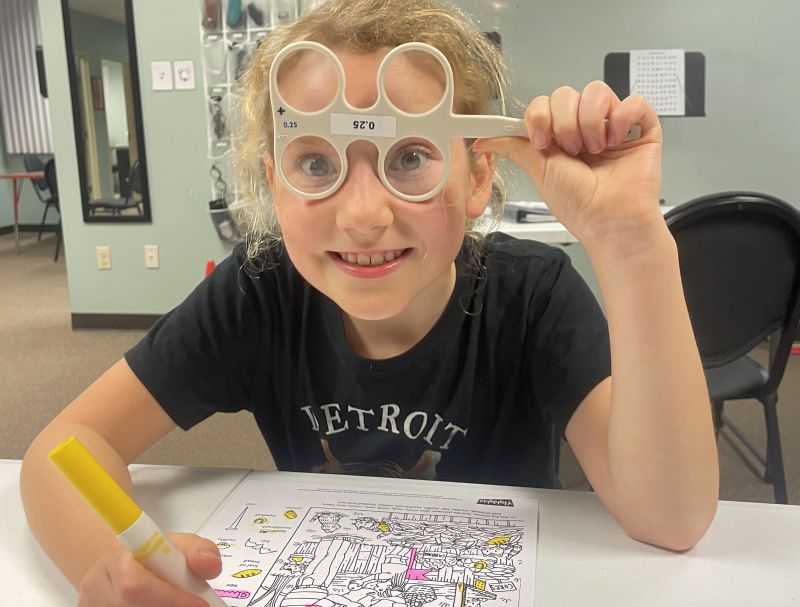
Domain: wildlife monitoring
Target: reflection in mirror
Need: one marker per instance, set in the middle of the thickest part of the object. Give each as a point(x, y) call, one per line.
point(101, 53)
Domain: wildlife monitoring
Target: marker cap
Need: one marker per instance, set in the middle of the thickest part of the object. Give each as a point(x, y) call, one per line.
point(96, 485)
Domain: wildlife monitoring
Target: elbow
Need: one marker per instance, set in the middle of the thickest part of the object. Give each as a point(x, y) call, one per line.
point(678, 540)
point(676, 532)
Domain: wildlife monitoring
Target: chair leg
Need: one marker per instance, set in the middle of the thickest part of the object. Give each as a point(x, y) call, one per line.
point(717, 409)
point(59, 240)
point(774, 471)
point(44, 218)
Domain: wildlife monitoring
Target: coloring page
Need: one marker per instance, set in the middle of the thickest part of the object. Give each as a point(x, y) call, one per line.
point(309, 540)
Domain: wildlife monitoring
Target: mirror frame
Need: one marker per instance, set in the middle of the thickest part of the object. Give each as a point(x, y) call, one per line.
point(77, 120)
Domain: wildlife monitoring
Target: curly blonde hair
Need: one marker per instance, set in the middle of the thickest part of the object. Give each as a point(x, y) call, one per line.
point(360, 25)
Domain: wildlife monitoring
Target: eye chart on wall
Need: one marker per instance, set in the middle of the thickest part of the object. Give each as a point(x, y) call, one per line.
point(660, 77)
point(306, 540)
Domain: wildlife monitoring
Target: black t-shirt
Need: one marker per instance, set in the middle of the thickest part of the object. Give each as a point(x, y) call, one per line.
point(483, 397)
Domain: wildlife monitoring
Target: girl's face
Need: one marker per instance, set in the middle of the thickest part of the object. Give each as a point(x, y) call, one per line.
point(371, 252)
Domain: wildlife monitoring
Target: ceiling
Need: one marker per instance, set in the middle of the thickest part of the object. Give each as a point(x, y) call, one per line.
point(106, 9)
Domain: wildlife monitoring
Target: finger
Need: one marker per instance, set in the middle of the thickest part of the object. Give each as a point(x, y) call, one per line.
point(517, 149)
point(596, 103)
point(202, 555)
point(564, 108)
point(538, 121)
point(137, 586)
point(632, 110)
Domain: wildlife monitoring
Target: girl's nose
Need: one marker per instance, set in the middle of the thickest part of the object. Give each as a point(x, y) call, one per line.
point(364, 203)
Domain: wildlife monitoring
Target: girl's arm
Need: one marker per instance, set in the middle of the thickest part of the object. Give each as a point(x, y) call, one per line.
point(117, 419)
point(644, 437)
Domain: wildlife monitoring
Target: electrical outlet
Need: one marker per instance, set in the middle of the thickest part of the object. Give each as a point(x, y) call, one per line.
point(151, 256)
point(103, 257)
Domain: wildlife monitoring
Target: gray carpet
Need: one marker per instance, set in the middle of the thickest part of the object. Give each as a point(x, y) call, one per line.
point(45, 364)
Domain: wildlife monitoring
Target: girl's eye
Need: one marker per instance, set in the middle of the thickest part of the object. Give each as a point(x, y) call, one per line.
point(410, 159)
point(316, 166)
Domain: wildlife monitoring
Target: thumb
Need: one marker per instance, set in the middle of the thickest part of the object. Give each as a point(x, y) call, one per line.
point(202, 555)
point(519, 150)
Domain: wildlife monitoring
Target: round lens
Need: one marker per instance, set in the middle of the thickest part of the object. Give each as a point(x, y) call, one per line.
point(307, 80)
point(414, 81)
point(311, 165)
point(414, 167)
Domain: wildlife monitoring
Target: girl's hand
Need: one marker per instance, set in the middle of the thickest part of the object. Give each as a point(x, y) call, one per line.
point(596, 185)
point(117, 579)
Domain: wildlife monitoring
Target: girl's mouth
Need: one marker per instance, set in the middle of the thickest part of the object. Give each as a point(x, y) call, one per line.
point(370, 265)
point(375, 259)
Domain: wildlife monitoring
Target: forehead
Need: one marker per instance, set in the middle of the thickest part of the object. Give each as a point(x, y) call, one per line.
point(308, 79)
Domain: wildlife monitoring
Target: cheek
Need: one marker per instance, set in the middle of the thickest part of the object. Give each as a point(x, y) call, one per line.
point(297, 227)
point(297, 217)
point(440, 222)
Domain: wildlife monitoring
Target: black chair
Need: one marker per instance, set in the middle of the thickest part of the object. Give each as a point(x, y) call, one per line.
point(129, 188)
point(52, 184)
point(34, 164)
point(740, 265)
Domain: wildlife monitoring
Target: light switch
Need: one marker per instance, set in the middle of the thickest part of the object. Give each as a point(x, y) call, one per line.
point(184, 75)
point(151, 256)
point(103, 253)
point(162, 75)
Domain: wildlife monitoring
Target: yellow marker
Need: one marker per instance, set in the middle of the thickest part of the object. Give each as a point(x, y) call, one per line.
point(133, 527)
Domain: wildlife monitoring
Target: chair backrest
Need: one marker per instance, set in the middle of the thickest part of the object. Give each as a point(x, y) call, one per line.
point(50, 177)
point(34, 164)
point(135, 179)
point(740, 266)
point(133, 186)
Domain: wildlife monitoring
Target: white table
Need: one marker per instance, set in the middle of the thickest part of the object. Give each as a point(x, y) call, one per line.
point(750, 555)
point(551, 232)
point(29, 578)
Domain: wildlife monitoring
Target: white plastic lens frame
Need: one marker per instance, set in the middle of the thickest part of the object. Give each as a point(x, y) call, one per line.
point(383, 123)
point(338, 124)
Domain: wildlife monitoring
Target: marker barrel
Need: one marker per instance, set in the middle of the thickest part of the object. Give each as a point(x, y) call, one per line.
point(152, 548)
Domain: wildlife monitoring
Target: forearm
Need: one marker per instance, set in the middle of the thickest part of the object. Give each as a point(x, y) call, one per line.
point(663, 469)
point(71, 533)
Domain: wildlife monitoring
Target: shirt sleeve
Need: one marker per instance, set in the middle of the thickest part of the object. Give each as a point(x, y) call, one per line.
point(569, 350)
point(199, 358)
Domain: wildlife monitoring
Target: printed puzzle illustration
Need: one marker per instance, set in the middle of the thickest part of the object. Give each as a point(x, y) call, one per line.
point(317, 557)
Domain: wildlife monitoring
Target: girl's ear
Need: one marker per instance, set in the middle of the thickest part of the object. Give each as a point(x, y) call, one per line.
point(269, 167)
point(481, 179)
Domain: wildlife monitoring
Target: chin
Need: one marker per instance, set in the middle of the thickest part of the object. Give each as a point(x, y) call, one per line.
point(371, 308)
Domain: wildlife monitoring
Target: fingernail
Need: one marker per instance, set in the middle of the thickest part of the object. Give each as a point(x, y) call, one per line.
point(211, 553)
point(540, 140)
point(611, 139)
point(592, 145)
point(570, 148)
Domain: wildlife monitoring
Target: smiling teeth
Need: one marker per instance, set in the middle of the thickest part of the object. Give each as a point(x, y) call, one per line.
point(362, 259)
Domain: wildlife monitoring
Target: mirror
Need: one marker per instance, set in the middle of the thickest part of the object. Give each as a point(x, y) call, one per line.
point(106, 105)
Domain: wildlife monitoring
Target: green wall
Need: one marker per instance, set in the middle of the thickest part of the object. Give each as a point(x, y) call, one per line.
point(749, 140)
point(179, 185)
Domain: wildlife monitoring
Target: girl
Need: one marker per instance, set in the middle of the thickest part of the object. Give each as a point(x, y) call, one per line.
point(373, 335)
